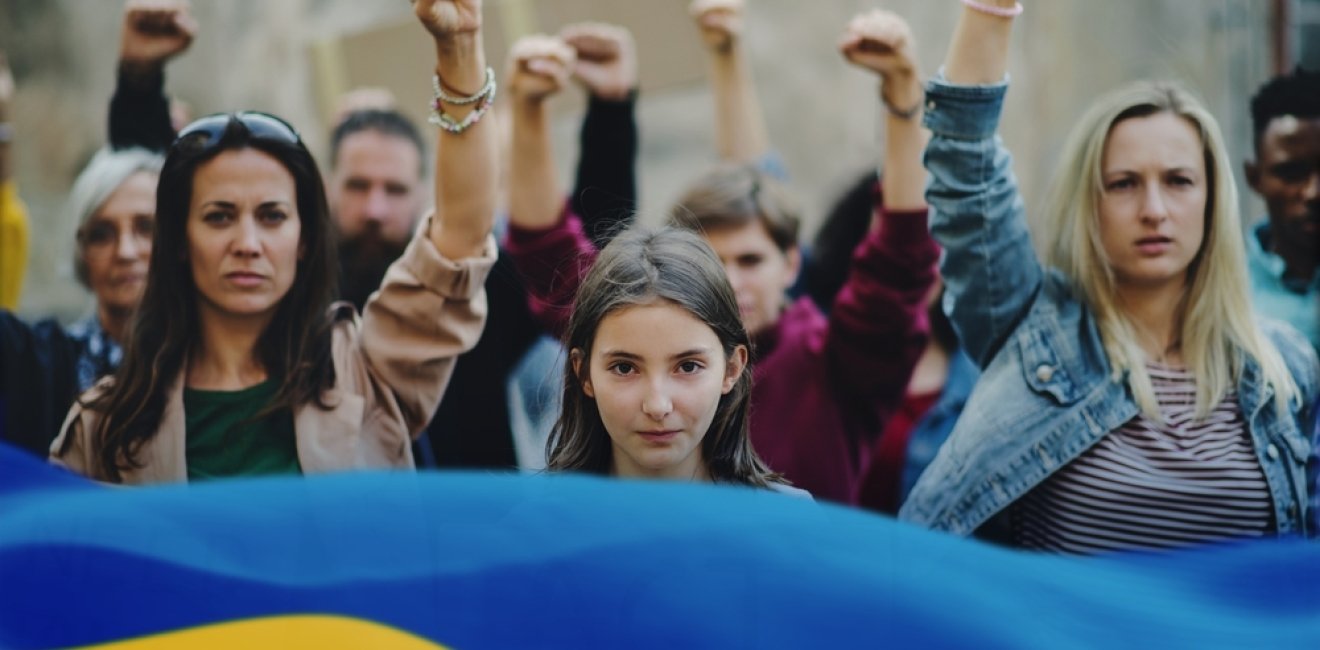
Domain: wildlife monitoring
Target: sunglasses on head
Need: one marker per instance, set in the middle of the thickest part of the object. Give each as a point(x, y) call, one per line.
point(205, 132)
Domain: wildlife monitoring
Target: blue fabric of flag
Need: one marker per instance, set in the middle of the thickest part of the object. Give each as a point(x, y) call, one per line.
point(502, 561)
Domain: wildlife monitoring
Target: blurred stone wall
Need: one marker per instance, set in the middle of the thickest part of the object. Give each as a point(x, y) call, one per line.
point(822, 114)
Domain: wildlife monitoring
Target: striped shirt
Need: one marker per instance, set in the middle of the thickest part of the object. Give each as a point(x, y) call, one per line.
point(1148, 485)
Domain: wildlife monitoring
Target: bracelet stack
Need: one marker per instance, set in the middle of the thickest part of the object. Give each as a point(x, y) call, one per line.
point(483, 98)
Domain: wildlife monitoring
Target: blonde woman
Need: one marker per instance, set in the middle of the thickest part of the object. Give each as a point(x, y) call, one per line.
point(1129, 400)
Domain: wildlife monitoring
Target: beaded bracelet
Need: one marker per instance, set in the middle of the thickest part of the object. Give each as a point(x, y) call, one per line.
point(487, 88)
point(484, 99)
point(456, 127)
point(1002, 12)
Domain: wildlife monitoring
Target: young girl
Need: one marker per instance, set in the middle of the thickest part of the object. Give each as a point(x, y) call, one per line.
point(823, 386)
point(656, 381)
point(236, 364)
point(1129, 399)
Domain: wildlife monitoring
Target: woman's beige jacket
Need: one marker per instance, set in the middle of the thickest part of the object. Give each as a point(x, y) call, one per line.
point(391, 368)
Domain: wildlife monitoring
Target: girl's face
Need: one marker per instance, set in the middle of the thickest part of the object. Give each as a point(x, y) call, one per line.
point(116, 243)
point(243, 234)
point(1152, 210)
point(657, 373)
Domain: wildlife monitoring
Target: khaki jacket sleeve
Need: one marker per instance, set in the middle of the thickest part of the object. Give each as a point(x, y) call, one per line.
point(428, 310)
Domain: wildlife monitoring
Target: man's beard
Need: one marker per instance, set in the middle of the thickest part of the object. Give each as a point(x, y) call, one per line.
point(363, 261)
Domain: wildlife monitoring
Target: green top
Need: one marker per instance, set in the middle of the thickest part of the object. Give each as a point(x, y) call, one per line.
point(225, 440)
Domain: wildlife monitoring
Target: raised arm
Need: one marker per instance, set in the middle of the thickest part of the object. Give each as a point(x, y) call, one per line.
point(153, 32)
point(539, 67)
point(465, 158)
point(991, 273)
point(881, 41)
point(877, 327)
point(740, 131)
point(548, 246)
point(605, 192)
point(978, 54)
point(432, 305)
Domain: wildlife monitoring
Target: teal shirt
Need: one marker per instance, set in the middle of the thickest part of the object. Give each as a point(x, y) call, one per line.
point(224, 439)
point(1289, 301)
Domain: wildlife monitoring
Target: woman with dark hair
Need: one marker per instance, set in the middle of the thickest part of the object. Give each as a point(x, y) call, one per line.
point(237, 364)
point(656, 384)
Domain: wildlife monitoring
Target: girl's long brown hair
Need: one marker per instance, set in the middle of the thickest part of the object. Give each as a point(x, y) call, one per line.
point(641, 266)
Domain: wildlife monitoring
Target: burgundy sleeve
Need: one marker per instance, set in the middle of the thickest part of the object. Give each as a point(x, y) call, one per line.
point(552, 263)
point(878, 326)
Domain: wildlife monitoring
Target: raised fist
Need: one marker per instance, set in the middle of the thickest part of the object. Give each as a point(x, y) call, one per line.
point(882, 42)
point(721, 22)
point(539, 66)
point(155, 31)
point(606, 58)
point(446, 19)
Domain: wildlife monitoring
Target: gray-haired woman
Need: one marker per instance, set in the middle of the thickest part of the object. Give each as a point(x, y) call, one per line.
point(47, 365)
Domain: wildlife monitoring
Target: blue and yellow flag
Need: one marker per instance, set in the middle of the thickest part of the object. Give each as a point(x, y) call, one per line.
point(481, 561)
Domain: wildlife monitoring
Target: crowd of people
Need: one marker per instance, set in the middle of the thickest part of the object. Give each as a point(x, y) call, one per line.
point(1132, 367)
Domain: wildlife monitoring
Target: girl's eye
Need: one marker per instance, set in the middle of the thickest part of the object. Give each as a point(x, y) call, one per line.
point(216, 217)
point(1181, 180)
point(1120, 184)
point(689, 367)
point(622, 368)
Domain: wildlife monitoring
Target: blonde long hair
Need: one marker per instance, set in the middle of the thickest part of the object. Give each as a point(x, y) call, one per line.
point(1215, 320)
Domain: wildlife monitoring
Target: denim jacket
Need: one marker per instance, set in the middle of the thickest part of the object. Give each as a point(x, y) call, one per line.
point(1047, 392)
point(930, 432)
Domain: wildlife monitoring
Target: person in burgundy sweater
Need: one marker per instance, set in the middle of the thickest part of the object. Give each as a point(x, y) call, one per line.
point(822, 387)
point(941, 381)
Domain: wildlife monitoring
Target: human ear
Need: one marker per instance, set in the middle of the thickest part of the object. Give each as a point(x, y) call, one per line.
point(1251, 169)
point(734, 368)
point(584, 379)
point(793, 265)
